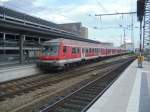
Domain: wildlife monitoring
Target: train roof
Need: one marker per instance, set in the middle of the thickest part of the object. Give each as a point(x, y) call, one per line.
point(69, 42)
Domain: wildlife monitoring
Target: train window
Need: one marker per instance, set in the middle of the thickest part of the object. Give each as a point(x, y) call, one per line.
point(95, 50)
point(51, 50)
point(86, 50)
point(65, 49)
point(78, 50)
point(92, 49)
point(102, 50)
point(73, 50)
point(83, 50)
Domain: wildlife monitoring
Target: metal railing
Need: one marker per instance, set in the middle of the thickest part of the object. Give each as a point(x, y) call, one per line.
point(146, 35)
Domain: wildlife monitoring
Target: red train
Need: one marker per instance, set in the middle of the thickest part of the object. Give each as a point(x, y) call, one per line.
point(64, 52)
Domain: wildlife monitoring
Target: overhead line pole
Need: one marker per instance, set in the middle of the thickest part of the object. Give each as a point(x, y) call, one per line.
point(125, 13)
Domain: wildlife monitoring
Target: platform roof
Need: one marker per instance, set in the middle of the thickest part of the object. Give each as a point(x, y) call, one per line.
point(14, 21)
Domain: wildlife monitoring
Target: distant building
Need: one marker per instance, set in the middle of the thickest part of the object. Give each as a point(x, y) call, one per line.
point(107, 44)
point(76, 28)
point(84, 32)
point(128, 46)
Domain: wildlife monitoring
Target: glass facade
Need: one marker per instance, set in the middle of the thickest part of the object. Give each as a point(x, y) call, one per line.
point(10, 49)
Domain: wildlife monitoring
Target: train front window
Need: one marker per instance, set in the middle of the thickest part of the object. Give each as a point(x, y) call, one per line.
point(51, 50)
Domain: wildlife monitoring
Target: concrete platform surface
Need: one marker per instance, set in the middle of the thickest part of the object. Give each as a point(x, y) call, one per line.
point(15, 72)
point(130, 93)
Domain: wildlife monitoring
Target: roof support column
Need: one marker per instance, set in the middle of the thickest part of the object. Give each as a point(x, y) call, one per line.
point(21, 48)
point(4, 41)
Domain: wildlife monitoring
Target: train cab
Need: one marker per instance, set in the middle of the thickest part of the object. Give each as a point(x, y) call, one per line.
point(50, 55)
point(50, 51)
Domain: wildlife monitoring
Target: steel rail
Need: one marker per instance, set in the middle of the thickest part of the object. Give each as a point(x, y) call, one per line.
point(80, 100)
point(29, 84)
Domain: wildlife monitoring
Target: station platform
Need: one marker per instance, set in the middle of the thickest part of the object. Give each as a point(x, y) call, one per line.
point(129, 93)
point(17, 71)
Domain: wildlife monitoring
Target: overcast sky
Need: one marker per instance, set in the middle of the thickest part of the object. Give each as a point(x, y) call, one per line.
point(63, 11)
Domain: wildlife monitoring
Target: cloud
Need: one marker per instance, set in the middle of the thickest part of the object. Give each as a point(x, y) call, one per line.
point(64, 11)
point(25, 6)
point(53, 17)
point(4, 0)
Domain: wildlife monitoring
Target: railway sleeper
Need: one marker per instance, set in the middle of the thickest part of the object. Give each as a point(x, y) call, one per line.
point(20, 87)
point(97, 88)
point(100, 87)
point(2, 99)
point(83, 98)
point(18, 94)
point(82, 102)
point(102, 84)
point(61, 109)
point(94, 90)
point(77, 107)
point(86, 95)
point(11, 96)
point(2, 93)
point(25, 91)
point(89, 93)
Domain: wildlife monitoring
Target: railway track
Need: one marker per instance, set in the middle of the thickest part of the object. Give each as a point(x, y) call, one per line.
point(25, 85)
point(83, 98)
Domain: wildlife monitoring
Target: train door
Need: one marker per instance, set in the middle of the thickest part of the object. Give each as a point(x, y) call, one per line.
point(83, 53)
point(64, 52)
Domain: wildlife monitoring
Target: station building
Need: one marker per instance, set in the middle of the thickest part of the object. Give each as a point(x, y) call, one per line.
point(76, 28)
point(10, 42)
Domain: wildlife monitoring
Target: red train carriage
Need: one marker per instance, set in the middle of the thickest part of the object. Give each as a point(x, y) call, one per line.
point(61, 52)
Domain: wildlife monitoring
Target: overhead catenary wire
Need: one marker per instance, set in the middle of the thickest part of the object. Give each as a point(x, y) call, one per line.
point(101, 6)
